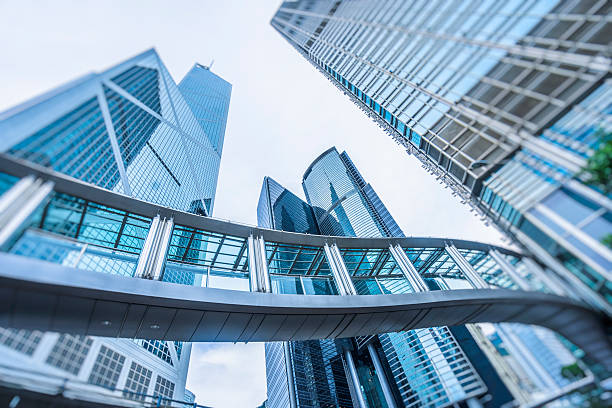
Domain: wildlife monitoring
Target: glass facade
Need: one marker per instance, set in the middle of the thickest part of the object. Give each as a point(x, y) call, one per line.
point(129, 129)
point(132, 130)
point(208, 96)
point(502, 101)
point(310, 373)
point(424, 367)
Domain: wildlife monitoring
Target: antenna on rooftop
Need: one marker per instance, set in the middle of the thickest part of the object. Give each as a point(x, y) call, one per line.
point(206, 67)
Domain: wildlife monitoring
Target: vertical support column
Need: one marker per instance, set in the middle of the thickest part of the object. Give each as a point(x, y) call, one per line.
point(468, 270)
point(153, 256)
point(253, 281)
point(19, 203)
point(509, 270)
point(381, 377)
point(354, 379)
point(259, 278)
point(338, 269)
point(263, 266)
point(408, 269)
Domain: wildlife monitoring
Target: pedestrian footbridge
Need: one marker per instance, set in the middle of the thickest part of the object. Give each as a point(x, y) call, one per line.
point(79, 259)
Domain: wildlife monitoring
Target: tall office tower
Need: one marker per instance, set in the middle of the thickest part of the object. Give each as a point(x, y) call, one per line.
point(208, 96)
point(425, 367)
point(306, 373)
point(128, 129)
point(505, 102)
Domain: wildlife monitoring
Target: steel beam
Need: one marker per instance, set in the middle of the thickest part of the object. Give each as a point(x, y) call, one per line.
point(551, 281)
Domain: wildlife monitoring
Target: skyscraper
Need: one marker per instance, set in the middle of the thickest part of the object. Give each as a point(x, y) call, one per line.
point(425, 367)
point(503, 101)
point(129, 129)
point(308, 373)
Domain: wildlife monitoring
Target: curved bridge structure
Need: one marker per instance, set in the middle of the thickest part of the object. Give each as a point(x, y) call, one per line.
point(89, 303)
point(84, 260)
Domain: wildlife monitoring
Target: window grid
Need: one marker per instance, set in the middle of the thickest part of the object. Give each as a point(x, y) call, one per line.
point(369, 262)
point(158, 348)
point(164, 388)
point(69, 352)
point(137, 383)
point(286, 259)
point(222, 253)
point(107, 368)
point(23, 341)
point(94, 223)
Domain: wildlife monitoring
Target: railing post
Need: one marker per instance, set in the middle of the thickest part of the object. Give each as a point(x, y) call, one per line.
point(19, 203)
point(466, 268)
point(509, 270)
point(153, 256)
point(259, 277)
point(408, 269)
point(338, 269)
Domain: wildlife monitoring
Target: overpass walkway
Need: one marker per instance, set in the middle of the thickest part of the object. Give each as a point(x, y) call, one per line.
point(80, 259)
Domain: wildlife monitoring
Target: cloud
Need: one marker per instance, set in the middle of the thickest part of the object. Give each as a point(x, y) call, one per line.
point(227, 375)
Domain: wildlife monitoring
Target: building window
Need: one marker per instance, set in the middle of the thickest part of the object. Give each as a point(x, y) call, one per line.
point(69, 352)
point(137, 382)
point(164, 388)
point(107, 368)
point(24, 341)
point(157, 347)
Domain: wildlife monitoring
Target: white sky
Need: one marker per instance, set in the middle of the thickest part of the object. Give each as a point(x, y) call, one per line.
point(283, 114)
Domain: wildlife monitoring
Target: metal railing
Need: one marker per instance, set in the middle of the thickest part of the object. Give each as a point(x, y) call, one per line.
point(81, 225)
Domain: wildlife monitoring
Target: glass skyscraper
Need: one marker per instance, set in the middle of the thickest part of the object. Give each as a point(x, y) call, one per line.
point(425, 367)
point(307, 373)
point(505, 102)
point(132, 130)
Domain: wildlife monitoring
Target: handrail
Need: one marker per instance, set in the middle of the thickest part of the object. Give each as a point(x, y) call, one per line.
point(69, 185)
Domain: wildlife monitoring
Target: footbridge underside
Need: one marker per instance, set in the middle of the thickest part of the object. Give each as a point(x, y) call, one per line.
point(79, 259)
point(44, 296)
